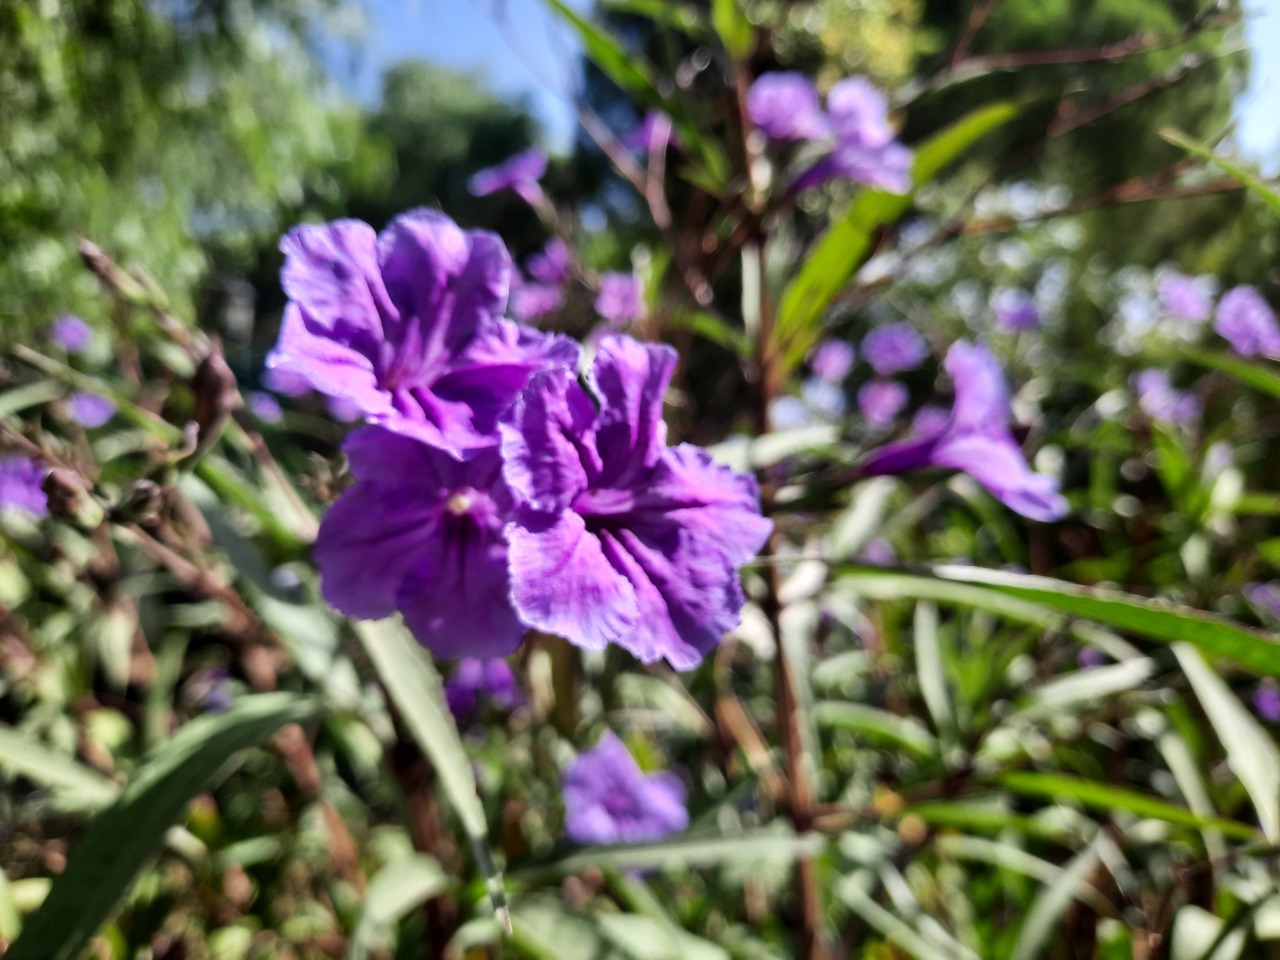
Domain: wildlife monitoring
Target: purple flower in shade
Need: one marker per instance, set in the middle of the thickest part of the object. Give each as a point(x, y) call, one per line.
point(1266, 700)
point(1248, 323)
point(91, 409)
point(519, 174)
point(930, 421)
point(1090, 657)
point(551, 263)
point(879, 552)
point(533, 301)
point(210, 690)
point(407, 325)
point(474, 679)
point(785, 106)
point(831, 360)
point(865, 149)
point(264, 406)
point(653, 133)
point(1015, 311)
point(616, 536)
point(977, 440)
point(71, 333)
point(1163, 403)
point(1183, 297)
point(287, 383)
point(607, 799)
point(880, 402)
point(421, 533)
point(22, 486)
point(1264, 597)
point(619, 301)
point(893, 348)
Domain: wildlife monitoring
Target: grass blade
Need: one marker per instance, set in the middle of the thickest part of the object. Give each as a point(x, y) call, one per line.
point(76, 786)
point(398, 888)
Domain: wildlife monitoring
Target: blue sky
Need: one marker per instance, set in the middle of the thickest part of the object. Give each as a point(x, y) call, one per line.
point(518, 49)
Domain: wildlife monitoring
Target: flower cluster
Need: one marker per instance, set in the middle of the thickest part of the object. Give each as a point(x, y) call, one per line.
point(853, 132)
point(493, 493)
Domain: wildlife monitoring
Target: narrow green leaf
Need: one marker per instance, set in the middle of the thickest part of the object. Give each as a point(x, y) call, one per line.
point(976, 815)
point(734, 28)
point(1259, 375)
point(123, 837)
point(903, 732)
point(891, 926)
point(1268, 193)
point(930, 670)
point(411, 681)
point(1141, 616)
point(685, 17)
point(1251, 753)
point(29, 395)
point(1102, 796)
point(847, 244)
point(399, 887)
point(1083, 686)
point(1048, 908)
point(76, 786)
point(1008, 857)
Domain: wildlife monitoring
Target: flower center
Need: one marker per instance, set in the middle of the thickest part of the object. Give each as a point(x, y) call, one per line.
point(460, 502)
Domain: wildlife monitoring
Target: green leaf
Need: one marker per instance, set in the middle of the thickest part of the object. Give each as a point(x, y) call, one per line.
point(1102, 796)
point(1048, 908)
point(1262, 377)
point(734, 28)
point(1251, 753)
point(904, 732)
point(399, 887)
point(411, 681)
point(1009, 857)
point(1268, 194)
point(684, 17)
point(1141, 616)
point(75, 786)
point(850, 891)
point(847, 244)
point(121, 839)
point(29, 395)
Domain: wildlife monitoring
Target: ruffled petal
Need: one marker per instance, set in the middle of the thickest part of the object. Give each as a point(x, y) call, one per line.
point(332, 367)
point(561, 582)
point(982, 396)
point(997, 463)
point(546, 445)
point(630, 379)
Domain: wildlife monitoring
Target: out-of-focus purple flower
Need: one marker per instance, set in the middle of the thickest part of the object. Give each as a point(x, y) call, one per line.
point(607, 799)
point(1266, 700)
point(210, 690)
point(785, 106)
point(790, 413)
point(977, 440)
point(71, 333)
point(880, 402)
point(1090, 657)
point(930, 421)
point(408, 326)
point(1265, 597)
point(1015, 311)
point(91, 409)
point(1248, 323)
point(879, 552)
point(1183, 297)
point(264, 406)
point(618, 538)
point(825, 399)
point(421, 533)
point(22, 486)
point(551, 263)
point(343, 410)
point(619, 301)
point(474, 679)
point(831, 360)
point(287, 383)
point(865, 149)
point(652, 134)
point(893, 348)
point(1161, 402)
point(519, 174)
point(533, 301)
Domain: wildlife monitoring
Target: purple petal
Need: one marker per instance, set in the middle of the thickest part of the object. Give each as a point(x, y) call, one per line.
point(859, 113)
point(880, 402)
point(1184, 298)
point(998, 464)
point(619, 301)
point(92, 409)
point(71, 333)
point(551, 263)
point(785, 107)
point(22, 486)
point(330, 366)
point(1015, 310)
point(520, 173)
point(561, 582)
point(608, 799)
point(982, 397)
point(630, 379)
point(894, 348)
point(1248, 323)
point(831, 360)
point(547, 455)
point(533, 301)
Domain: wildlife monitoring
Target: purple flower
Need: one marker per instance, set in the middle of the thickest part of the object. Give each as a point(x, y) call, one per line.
point(343, 410)
point(785, 106)
point(210, 690)
point(879, 552)
point(607, 799)
point(1265, 597)
point(893, 348)
point(1163, 403)
point(21, 486)
point(1015, 311)
point(264, 406)
point(1090, 657)
point(474, 679)
point(831, 360)
point(519, 174)
point(653, 133)
point(865, 149)
point(1184, 297)
point(287, 383)
point(618, 538)
point(880, 402)
point(71, 333)
point(533, 301)
point(1246, 321)
point(421, 533)
point(1266, 700)
point(977, 440)
point(407, 325)
point(619, 301)
point(930, 421)
point(551, 263)
point(91, 409)
point(827, 400)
